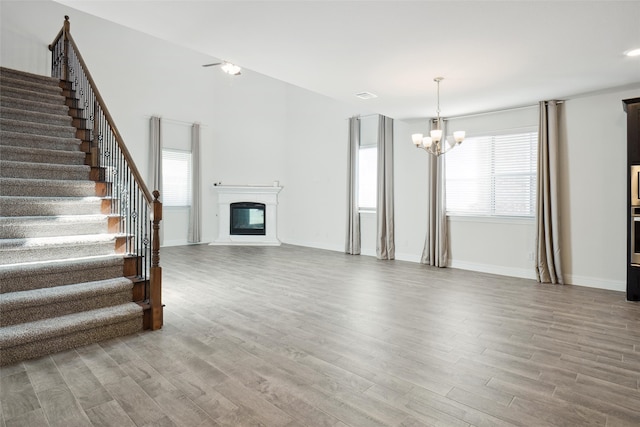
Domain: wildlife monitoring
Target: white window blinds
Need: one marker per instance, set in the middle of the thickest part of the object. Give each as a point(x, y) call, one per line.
point(493, 175)
point(367, 177)
point(176, 177)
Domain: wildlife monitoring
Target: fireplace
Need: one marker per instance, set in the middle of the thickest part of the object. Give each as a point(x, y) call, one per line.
point(247, 215)
point(247, 218)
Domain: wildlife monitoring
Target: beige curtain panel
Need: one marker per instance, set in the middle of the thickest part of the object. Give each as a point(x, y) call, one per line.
point(352, 245)
point(155, 142)
point(195, 218)
point(385, 243)
point(436, 251)
point(547, 258)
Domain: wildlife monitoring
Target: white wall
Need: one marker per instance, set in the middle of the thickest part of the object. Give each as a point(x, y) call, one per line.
point(593, 190)
point(312, 209)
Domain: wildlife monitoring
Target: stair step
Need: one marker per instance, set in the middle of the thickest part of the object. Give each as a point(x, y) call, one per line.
point(47, 274)
point(19, 126)
point(46, 187)
point(37, 304)
point(50, 226)
point(49, 87)
point(47, 98)
point(48, 206)
point(17, 139)
point(41, 155)
point(10, 73)
point(35, 339)
point(11, 169)
point(32, 105)
point(14, 251)
point(38, 117)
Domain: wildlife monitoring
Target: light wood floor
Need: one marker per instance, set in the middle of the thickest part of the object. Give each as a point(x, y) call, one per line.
point(294, 336)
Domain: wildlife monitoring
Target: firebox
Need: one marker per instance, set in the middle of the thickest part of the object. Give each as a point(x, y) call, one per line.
point(247, 218)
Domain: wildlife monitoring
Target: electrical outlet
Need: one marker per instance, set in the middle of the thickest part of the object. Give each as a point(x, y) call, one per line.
point(530, 256)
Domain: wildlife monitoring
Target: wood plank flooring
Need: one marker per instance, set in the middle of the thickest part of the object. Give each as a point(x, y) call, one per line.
point(292, 336)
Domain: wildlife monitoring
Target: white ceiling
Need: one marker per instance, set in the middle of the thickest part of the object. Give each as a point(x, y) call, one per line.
point(492, 54)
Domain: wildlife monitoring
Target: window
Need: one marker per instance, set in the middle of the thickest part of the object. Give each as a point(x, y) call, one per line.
point(176, 178)
point(367, 177)
point(493, 175)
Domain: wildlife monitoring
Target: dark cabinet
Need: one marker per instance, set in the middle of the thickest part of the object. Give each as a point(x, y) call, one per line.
point(632, 108)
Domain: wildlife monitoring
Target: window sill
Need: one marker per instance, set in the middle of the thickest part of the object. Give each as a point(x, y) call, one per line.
point(368, 211)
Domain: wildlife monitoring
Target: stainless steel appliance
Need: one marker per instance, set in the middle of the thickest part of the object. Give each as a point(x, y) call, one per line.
point(635, 188)
point(635, 236)
point(635, 215)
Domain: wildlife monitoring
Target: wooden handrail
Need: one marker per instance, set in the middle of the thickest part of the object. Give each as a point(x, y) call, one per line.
point(132, 165)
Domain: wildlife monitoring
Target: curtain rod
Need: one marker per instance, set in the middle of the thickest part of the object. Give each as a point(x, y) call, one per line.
point(358, 116)
point(523, 107)
point(182, 122)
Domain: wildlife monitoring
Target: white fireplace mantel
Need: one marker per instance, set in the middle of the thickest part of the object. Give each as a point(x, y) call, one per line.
point(268, 195)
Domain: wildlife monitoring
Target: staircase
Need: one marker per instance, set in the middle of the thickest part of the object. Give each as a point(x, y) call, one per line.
point(64, 278)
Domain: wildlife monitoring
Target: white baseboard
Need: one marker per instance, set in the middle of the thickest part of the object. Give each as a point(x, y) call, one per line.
point(494, 269)
point(174, 243)
point(408, 257)
point(595, 282)
point(524, 273)
point(316, 245)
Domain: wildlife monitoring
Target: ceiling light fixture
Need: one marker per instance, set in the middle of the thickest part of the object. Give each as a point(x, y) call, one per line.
point(634, 52)
point(434, 143)
point(230, 68)
point(227, 67)
point(366, 95)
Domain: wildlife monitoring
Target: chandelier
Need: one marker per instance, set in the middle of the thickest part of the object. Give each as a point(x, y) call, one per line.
point(434, 143)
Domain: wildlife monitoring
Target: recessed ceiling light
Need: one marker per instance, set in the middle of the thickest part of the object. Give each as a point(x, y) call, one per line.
point(366, 95)
point(634, 52)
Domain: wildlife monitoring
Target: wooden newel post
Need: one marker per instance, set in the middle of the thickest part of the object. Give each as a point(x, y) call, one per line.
point(65, 42)
point(155, 292)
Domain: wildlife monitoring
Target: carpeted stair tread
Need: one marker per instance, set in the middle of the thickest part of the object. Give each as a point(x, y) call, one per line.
point(35, 117)
point(17, 139)
point(46, 187)
point(46, 274)
point(11, 73)
point(14, 251)
point(48, 206)
point(37, 128)
point(12, 169)
point(41, 155)
point(36, 304)
point(49, 226)
point(34, 339)
point(47, 98)
point(19, 334)
point(34, 242)
point(40, 87)
point(32, 105)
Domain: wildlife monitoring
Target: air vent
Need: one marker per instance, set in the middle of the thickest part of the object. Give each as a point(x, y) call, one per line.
point(366, 95)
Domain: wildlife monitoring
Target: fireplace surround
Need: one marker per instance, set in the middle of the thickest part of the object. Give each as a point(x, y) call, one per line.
point(250, 197)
